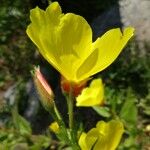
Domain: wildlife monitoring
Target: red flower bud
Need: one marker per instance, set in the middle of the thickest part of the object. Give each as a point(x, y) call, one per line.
point(44, 90)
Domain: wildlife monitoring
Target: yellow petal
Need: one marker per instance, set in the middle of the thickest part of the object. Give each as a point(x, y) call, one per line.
point(43, 21)
point(64, 40)
point(53, 13)
point(82, 142)
point(41, 27)
point(108, 47)
point(84, 71)
point(86, 141)
point(93, 95)
point(76, 40)
point(91, 138)
point(106, 136)
point(110, 135)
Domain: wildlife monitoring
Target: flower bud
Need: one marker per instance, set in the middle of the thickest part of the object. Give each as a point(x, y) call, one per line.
point(54, 127)
point(44, 90)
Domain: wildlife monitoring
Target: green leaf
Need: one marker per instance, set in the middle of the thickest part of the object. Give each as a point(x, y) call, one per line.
point(130, 142)
point(3, 135)
point(23, 125)
point(102, 111)
point(129, 111)
point(20, 146)
point(40, 142)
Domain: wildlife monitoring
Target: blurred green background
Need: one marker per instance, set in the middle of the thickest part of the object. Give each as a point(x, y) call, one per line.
point(127, 82)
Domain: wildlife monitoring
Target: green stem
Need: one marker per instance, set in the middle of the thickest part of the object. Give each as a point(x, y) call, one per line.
point(73, 134)
point(58, 118)
point(14, 112)
point(57, 113)
point(70, 108)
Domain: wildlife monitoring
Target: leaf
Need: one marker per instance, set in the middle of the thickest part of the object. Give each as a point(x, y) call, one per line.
point(102, 111)
point(130, 142)
point(23, 125)
point(3, 135)
point(129, 111)
point(20, 146)
point(40, 142)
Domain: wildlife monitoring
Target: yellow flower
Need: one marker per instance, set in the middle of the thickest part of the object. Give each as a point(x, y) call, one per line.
point(106, 136)
point(92, 95)
point(65, 41)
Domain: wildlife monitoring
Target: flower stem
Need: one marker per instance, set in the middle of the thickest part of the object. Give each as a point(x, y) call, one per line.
point(70, 109)
point(73, 133)
point(58, 118)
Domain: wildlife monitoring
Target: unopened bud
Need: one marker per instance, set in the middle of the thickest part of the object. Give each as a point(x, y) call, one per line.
point(54, 127)
point(44, 90)
point(76, 87)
